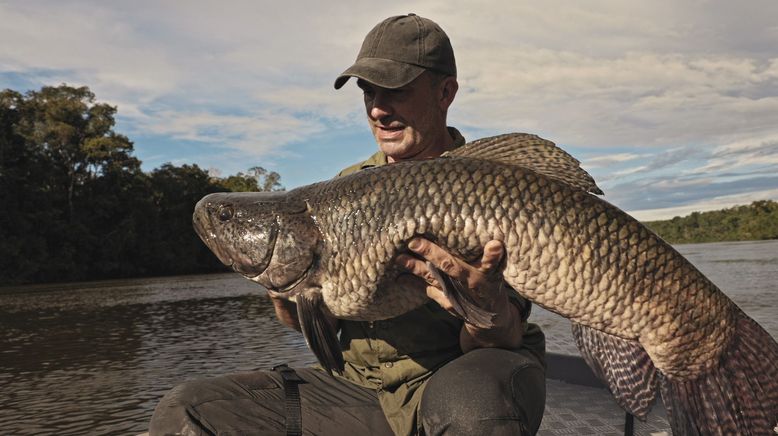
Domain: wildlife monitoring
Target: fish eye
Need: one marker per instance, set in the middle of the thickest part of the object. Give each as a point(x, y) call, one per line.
point(225, 213)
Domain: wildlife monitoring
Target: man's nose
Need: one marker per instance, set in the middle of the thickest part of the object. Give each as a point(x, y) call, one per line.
point(380, 106)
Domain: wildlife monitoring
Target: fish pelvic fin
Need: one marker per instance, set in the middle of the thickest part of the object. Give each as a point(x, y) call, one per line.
point(738, 396)
point(623, 365)
point(319, 334)
point(461, 301)
point(531, 152)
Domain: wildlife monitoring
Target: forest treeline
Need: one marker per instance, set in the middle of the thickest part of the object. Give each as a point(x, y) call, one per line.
point(756, 221)
point(75, 204)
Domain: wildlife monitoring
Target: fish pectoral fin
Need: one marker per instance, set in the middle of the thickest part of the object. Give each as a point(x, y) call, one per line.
point(461, 301)
point(319, 334)
point(623, 365)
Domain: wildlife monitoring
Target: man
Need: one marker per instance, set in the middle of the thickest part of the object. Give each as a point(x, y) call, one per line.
point(424, 372)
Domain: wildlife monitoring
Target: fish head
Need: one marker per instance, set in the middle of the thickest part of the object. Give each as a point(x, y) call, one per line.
point(264, 236)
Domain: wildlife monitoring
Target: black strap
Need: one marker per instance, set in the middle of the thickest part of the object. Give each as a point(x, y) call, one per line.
point(629, 425)
point(294, 416)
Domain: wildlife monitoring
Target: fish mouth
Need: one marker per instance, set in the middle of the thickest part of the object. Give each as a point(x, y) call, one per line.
point(286, 291)
point(204, 230)
point(230, 256)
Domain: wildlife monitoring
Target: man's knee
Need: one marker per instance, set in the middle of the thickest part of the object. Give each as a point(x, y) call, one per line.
point(173, 412)
point(178, 412)
point(487, 391)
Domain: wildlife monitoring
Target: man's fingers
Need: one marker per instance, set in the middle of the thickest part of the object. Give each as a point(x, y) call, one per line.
point(440, 297)
point(493, 253)
point(416, 267)
point(433, 292)
point(477, 277)
point(439, 257)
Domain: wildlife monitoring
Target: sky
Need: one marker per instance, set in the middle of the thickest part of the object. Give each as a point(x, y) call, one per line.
point(672, 105)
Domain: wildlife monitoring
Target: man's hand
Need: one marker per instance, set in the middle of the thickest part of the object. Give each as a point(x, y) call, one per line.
point(485, 284)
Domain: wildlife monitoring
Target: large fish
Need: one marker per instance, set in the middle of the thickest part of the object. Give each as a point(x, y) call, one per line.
point(644, 317)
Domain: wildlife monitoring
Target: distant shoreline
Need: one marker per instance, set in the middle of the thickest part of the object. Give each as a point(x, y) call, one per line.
point(757, 221)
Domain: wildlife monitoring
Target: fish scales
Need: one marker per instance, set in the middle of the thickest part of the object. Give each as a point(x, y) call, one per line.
point(679, 294)
point(566, 250)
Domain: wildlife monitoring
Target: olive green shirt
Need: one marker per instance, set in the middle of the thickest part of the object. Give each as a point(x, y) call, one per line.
point(397, 356)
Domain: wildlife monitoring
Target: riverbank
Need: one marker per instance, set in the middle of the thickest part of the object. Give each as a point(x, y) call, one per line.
point(757, 221)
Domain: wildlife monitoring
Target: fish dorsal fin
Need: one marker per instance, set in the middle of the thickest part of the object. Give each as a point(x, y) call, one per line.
point(531, 152)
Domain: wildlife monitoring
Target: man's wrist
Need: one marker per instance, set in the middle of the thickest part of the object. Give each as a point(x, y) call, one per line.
point(506, 333)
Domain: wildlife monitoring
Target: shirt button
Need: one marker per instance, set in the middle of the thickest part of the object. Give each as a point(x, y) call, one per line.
point(388, 364)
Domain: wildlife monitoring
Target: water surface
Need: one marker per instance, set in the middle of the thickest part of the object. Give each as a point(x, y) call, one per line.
point(94, 358)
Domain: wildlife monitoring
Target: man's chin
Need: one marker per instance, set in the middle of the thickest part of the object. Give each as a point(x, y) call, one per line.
point(393, 148)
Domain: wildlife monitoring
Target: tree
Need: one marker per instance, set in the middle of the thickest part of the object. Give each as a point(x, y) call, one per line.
point(76, 204)
point(26, 213)
point(759, 220)
point(76, 134)
point(239, 183)
point(266, 181)
point(257, 179)
point(174, 246)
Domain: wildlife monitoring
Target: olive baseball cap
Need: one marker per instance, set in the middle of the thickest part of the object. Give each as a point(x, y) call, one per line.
point(398, 50)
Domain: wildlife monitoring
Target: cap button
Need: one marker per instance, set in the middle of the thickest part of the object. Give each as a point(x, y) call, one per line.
point(411, 14)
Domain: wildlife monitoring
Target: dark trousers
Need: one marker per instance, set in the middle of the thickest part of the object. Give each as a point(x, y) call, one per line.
point(485, 392)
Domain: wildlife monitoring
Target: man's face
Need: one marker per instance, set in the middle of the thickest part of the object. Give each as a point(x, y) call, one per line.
point(407, 122)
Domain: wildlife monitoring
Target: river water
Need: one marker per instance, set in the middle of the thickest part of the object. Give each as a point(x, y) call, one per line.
point(94, 358)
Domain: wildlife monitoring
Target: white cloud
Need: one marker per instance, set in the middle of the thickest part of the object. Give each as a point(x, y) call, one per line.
point(609, 159)
point(649, 89)
point(713, 203)
point(628, 171)
point(754, 154)
point(640, 99)
point(84, 42)
point(262, 132)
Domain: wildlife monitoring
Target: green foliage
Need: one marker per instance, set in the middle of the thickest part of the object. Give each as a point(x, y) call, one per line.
point(759, 220)
point(76, 205)
point(257, 179)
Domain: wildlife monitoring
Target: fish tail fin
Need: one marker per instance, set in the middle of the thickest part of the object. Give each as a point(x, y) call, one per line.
point(739, 396)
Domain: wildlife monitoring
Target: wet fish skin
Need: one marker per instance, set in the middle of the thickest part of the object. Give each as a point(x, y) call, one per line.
point(566, 250)
point(257, 248)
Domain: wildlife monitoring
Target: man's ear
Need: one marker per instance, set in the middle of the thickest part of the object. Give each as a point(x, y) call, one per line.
point(448, 90)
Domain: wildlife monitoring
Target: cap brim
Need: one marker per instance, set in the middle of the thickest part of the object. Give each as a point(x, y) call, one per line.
point(385, 73)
